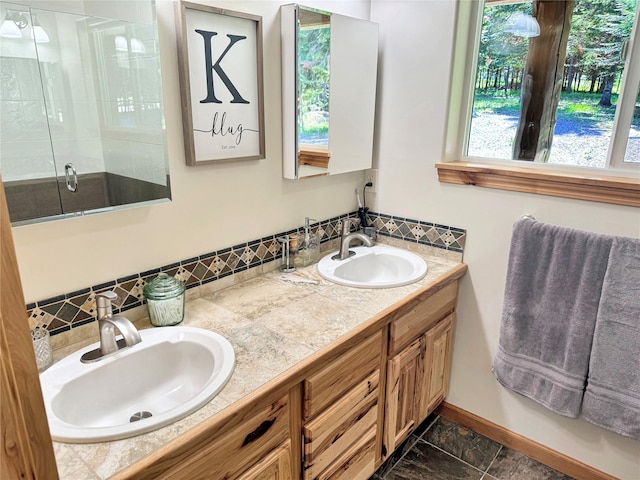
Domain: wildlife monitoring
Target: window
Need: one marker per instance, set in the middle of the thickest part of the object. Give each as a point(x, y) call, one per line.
point(547, 86)
point(632, 150)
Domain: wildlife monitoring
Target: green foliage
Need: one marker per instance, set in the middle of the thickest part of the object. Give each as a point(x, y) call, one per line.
point(573, 107)
point(309, 132)
point(599, 29)
point(490, 103)
point(313, 68)
point(583, 108)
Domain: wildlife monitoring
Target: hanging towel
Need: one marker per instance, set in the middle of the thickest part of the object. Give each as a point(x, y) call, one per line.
point(554, 280)
point(612, 398)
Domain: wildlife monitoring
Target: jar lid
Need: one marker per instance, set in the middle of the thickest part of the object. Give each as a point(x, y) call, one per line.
point(163, 287)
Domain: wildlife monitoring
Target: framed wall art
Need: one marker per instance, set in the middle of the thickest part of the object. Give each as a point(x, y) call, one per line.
point(221, 83)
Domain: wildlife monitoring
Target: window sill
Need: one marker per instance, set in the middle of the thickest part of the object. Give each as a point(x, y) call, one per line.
point(558, 183)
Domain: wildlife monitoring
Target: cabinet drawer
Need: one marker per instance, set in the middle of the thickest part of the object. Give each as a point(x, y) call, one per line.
point(256, 433)
point(324, 387)
point(341, 426)
point(424, 315)
point(358, 463)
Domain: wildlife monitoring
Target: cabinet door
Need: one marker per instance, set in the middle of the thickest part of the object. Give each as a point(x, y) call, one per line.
point(275, 466)
point(437, 364)
point(405, 376)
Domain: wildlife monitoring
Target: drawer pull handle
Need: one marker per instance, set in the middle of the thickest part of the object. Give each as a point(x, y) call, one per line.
point(258, 432)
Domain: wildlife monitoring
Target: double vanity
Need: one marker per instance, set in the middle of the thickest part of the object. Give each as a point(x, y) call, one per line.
point(328, 379)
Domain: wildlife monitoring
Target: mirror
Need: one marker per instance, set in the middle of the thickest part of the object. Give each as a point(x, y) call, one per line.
point(329, 70)
point(81, 113)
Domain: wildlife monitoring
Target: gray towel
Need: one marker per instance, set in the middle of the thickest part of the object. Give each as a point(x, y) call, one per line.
point(612, 398)
point(554, 280)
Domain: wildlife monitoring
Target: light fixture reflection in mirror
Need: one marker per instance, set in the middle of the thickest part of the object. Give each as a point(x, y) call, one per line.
point(523, 25)
point(38, 33)
point(10, 28)
point(15, 22)
point(123, 46)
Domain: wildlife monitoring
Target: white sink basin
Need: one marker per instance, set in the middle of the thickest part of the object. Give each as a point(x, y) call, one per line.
point(379, 266)
point(171, 373)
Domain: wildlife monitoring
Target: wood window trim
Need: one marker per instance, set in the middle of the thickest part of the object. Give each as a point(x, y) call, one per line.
point(559, 183)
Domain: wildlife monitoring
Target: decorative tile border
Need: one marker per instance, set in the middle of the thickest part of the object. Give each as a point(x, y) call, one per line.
point(64, 312)
point(426, 233)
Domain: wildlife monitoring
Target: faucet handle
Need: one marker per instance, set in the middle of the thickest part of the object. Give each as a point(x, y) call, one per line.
point(346, 225)
point(109, 294)
point(103, 302)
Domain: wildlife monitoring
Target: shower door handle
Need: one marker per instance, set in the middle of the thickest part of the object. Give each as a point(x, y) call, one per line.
point(71, 177)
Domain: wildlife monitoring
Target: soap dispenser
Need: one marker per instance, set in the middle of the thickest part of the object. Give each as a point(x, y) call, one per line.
point(308, 246)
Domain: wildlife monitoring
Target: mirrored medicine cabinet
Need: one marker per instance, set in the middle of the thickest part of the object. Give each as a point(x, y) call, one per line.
point(329, 71)
point(81, 109)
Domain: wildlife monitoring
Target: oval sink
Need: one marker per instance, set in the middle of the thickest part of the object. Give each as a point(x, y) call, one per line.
point(379, 266)
point(171, 373)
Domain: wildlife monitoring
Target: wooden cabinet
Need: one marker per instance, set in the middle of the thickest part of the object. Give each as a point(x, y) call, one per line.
point(420, 344)
point(404, 393)
point(342, 414)
point(253, 443)
point(438, 360)
point(275, 466)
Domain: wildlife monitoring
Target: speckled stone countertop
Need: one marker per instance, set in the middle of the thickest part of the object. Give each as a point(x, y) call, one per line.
point(273, 321)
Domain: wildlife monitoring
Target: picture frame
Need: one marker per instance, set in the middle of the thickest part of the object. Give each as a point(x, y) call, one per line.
point(221, 84)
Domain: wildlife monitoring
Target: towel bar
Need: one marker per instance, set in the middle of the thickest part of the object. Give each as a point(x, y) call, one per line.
point(528, 215)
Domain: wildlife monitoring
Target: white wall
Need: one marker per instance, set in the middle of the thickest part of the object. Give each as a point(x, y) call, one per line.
point(416, 41)
point(213, 207)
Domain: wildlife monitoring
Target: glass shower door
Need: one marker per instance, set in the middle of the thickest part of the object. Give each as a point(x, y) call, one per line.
point(26, 154)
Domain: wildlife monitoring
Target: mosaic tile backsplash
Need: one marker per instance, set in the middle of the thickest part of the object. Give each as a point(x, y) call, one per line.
point(64, 312)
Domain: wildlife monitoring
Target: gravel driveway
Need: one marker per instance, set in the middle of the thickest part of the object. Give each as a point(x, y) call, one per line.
point(492, 136)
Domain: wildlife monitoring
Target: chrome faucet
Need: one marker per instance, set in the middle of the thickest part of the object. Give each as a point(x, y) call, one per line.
point(347, 237)
point(108, 324)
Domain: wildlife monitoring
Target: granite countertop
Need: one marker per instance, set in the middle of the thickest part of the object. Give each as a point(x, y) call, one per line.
point(273, 321)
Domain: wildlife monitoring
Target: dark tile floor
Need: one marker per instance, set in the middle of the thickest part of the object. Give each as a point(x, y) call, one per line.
point(443, 450)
